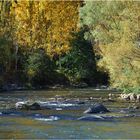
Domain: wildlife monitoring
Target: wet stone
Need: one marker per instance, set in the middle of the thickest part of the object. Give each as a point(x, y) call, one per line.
point(97, 108)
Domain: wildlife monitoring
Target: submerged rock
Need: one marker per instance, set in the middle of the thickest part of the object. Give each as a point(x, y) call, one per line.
point(91, 118)
point(109, 100)
point(106, 117)
point(81, 103)
point(134, 107)
point(97, 108)
point(79, 85)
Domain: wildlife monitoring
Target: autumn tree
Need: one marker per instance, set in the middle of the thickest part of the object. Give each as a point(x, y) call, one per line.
point(40, 26)
point(27, 26)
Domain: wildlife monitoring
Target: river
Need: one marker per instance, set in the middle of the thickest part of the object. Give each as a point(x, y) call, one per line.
point(61, 122)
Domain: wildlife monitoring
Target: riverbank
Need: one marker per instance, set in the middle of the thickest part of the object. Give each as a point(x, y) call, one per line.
point(114, 94)
point(15, 87)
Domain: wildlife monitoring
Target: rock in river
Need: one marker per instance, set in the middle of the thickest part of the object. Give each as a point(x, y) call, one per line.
point(27, 106)
point(97, 108)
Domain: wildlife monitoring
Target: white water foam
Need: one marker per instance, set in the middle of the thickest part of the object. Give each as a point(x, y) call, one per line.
point(59, 104)
point(51, 118)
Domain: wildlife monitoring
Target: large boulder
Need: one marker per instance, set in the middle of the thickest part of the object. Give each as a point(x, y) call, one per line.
point(97, 108)
point(27, 106)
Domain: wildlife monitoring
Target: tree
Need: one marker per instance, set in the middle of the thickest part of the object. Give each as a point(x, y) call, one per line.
point(39, 68)
point(115, 27)
point(7, 44)
point(79, 63)
point(40, 26)
point(26, 26)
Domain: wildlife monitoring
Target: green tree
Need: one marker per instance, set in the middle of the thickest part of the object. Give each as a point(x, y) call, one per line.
point(39, 68)
point(79, 63)
point(115, 27)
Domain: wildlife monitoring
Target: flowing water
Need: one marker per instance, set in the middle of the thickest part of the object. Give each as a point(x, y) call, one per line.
point(62, 120)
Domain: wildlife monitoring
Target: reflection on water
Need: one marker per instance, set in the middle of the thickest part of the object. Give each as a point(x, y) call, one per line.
point(62, 123)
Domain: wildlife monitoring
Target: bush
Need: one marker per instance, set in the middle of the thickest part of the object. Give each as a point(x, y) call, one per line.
point(39, 68)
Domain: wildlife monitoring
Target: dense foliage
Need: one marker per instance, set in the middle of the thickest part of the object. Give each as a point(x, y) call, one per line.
point(41, 46)
point(115, 27)
point(35, 38)
point(79, 63)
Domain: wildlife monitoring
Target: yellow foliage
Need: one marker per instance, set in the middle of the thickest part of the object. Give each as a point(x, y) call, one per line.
point(45, 24)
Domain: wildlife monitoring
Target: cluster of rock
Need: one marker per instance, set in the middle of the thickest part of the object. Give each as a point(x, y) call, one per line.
point(125, 97)
point(96, 112)
point(130, 97)
point(28, 106)
point(96, 108)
